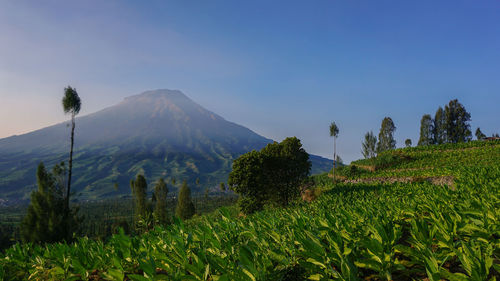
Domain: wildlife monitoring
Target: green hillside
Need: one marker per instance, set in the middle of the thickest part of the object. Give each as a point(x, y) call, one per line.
point(425, 162)
point(390, 219)
point(160, 134)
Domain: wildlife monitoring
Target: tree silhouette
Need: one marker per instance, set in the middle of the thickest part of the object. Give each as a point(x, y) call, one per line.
point(71, 105)
point(139, 188)
point(479, 134)
point(408, 142)
point(334, 132)
point(439, 126)
point(272, 175)
point(369, 145)
point(185, 207)
point(426, 130)
point(286, 166)
point(386, 136)
point(46, 219)
point(160, 212)
point(457, 122)
point(247, 178)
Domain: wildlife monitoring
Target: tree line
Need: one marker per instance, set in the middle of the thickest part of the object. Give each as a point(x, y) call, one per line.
point(371, 146)
point(450, 124)
point(151, 212)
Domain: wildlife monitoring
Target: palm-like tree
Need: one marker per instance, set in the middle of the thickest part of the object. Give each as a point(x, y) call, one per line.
point(334, 132)
point(71, 104)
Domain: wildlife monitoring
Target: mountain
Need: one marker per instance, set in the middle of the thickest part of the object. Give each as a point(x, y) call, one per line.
point(160, 133)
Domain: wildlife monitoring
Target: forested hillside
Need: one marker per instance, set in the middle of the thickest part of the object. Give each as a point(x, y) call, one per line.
point(362, 227)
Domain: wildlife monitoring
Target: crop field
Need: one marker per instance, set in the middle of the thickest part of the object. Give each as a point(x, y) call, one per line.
point(427, 161)
point(364, 231)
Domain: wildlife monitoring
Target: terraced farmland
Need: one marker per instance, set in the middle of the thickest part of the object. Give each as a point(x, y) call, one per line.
point(412, 230)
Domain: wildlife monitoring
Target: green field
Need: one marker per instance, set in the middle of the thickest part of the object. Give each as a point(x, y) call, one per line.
point(370, 230)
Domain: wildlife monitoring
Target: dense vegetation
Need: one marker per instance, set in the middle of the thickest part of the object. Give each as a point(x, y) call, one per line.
point(450, 125)
point(102, 218)
point(368, 230)
point(271, 176)
point(46, 219)
point(427, 161)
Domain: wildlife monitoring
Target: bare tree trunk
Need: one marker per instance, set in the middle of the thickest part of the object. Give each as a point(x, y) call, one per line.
point(70, 162)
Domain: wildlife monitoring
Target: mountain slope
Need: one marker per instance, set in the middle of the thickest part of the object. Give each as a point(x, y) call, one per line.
point(160, 133)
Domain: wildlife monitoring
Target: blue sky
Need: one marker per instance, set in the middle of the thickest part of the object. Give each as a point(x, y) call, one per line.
point(281, 68)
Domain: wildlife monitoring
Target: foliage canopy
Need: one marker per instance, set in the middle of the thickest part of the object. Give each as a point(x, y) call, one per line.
point(272, 175)
point(46, 219)
point(369, 145)
point(185, 207)
point(386, 135)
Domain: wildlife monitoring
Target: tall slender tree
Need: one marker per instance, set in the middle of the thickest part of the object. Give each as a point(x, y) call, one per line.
point(439, 126)
point(386, 135)
point(334, 132)
point(71, 105)
point(160, 212)
point(369, 145)
point(426, 130)
point(139, 188)
point(457, 122)
point(185, 207)
point(479, 134)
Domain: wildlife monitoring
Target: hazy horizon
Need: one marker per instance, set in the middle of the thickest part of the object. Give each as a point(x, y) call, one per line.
point(278, 69)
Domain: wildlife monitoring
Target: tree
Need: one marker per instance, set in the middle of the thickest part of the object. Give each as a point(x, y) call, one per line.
point(369, 145)
point(247, 179)
point(334, 132)
point(222, 187)
point(439, 126)
point(457, 122)
point(160, 213)
point(139, 189)
point(426, 130)
point(286, 165)
point(272, 175)
point(71, 104)
point(46, 219)
point(408, 142)
point(386, 135)
point(185, 207)
point(479, 134)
